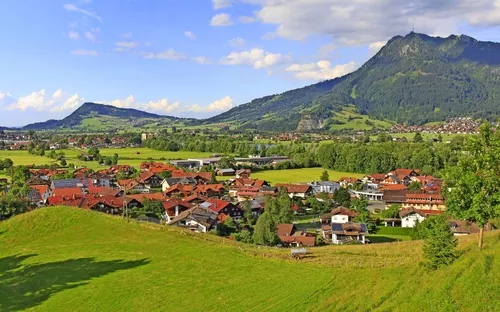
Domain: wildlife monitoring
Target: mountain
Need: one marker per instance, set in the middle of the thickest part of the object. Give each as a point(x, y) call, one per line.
point(93, 116)
point(413, 79)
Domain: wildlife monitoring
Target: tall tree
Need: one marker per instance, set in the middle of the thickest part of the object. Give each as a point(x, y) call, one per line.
point(472, 187)
point(265, 230)
point(325, 176)
point(440, 244)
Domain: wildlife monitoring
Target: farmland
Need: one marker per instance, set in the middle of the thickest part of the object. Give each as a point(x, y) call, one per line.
point(129, 156)
point(300, 175)
point(61, 259)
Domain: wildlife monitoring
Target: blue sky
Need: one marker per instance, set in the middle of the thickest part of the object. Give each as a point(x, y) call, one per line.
point(198, 58)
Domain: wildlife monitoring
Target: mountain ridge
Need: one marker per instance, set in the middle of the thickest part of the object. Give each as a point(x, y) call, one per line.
point(413, 79)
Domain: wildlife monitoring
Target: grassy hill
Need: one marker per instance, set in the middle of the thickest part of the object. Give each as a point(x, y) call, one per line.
point(68, 259)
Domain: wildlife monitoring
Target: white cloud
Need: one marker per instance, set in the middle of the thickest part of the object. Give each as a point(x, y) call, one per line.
point(83, 52)
point(190, 35)
point(127, 44)
point(74, 8)
point(374, 47)
point(169, 54)
point(6, 99)
point(356, 22)
point(258, 58)
point(326, 49)
point(222, 19)
point(73, 35)
point(220, 4)
point(202, 60)
point(127, 35)
point(321, 70)
point(41, 101)
point(236, 42)
point(224, 104)
point(90, 36)
point(247, 19)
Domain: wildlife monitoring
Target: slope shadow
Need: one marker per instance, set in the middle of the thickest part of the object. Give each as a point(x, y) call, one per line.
point(27, 286)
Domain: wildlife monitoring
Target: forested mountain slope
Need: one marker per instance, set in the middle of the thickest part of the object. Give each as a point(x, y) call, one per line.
point(413, 79)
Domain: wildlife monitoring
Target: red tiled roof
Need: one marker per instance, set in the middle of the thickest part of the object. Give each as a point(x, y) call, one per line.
point(179, 188)
point(404, 172)
point(42, 189)
point(194, 197)
point(209, 187)
point(201, 175)
point(377, 176)
point(393, 187)
point(67, 192)
point(348, 180)
point(151, 196)
point(172, 202)
point(295, 188)
point(217, 204)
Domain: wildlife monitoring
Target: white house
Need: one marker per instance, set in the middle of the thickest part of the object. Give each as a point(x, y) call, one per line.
point(410, 216)
point(324, 187)
point(343, 233)
point(196, 219)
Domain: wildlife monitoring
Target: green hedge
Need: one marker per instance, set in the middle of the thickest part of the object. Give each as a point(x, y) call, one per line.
point(389, 230)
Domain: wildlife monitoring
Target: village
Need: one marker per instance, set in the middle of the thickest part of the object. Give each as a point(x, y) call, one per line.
point(184, 196)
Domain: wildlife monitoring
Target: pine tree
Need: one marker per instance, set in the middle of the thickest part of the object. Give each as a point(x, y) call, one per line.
point(325, 176)
point(440, 245)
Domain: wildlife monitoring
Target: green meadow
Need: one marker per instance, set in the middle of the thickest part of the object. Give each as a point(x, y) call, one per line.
point(300, 175)
point(68, 259)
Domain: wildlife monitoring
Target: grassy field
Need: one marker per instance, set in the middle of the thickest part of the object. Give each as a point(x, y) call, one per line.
point(67, 259)
point(128, 156)
point(300, 175)
point(352, 120)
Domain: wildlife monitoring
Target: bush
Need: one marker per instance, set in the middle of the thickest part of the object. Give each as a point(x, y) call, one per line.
point(440, 245)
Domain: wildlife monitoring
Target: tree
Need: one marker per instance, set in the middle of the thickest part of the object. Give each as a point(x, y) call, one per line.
point(325, 176)
point(414, 186)
point(440, 244)
point(359, 204)
point(418, 138)
point(213, 177)
point(20, 175)
point(472, 187)
point(244, 236)
point(247, 212)
point(108, 161)
point(392, 212)
point(265, 230)
point(342, 197)
point(93, 151)
point(11, 205)
point(63, 162)
point(115, 159)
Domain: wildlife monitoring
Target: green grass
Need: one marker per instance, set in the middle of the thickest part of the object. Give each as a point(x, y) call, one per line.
point(300, 175)
point(68, 259)
point(426, 136)
point(359, 121)
point(128, 156)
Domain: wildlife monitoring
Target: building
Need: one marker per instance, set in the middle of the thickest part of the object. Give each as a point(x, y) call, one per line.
point(290, 237)
point(226, 172)
point(243, 174)
point(296, 190)
point(147, 136)
point(223, 207)
point(410, 216)
point(174, 207)
point(339, 215)
point(345, 233)
point(196, 219)
point(324, 187)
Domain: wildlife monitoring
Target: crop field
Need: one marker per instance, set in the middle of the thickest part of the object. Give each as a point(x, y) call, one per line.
point(300, 175)
point(68, 259)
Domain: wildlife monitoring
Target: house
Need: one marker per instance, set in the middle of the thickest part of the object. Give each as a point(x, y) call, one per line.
point(36, 180)
point(424, 201)
point(243, 174)
point(225, 172)
point(290, 237)
point(400, 176)
point(296, 190)
point(255, 205)
point(345, 233)
point(245, 193)
point(324, 187)
point(71, 183)
point(43, 190)
point(105, 191)
point(174, 207)
point(196, 219)
point(461, 228)
point(398, 197)
point(221, 206)
point(210, 190)
point(200, 177)
point(339, 215)
point(195, 199)
point(348, 181)
point(150, 179)
point(410, 216)
point(140, 198)
point(179, 191)
point(34, 197)
point(134, 186)
point(169, 182)
point(67, 192)
point(102, 180)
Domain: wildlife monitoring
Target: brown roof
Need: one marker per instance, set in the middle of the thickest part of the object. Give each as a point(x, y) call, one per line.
point(423, 212)
point(152, 196)
point(397, 196)
point(295, 188)
point(206, 217)
point(285, 229)
point(308, 241)
point(344, 211)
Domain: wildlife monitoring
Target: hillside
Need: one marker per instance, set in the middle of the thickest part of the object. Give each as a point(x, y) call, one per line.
point(99, 117)
point(414, 79)
point(65, 259)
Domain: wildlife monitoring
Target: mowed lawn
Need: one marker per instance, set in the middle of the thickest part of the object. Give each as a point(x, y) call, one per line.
point(68, 259)
point(301, 175)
